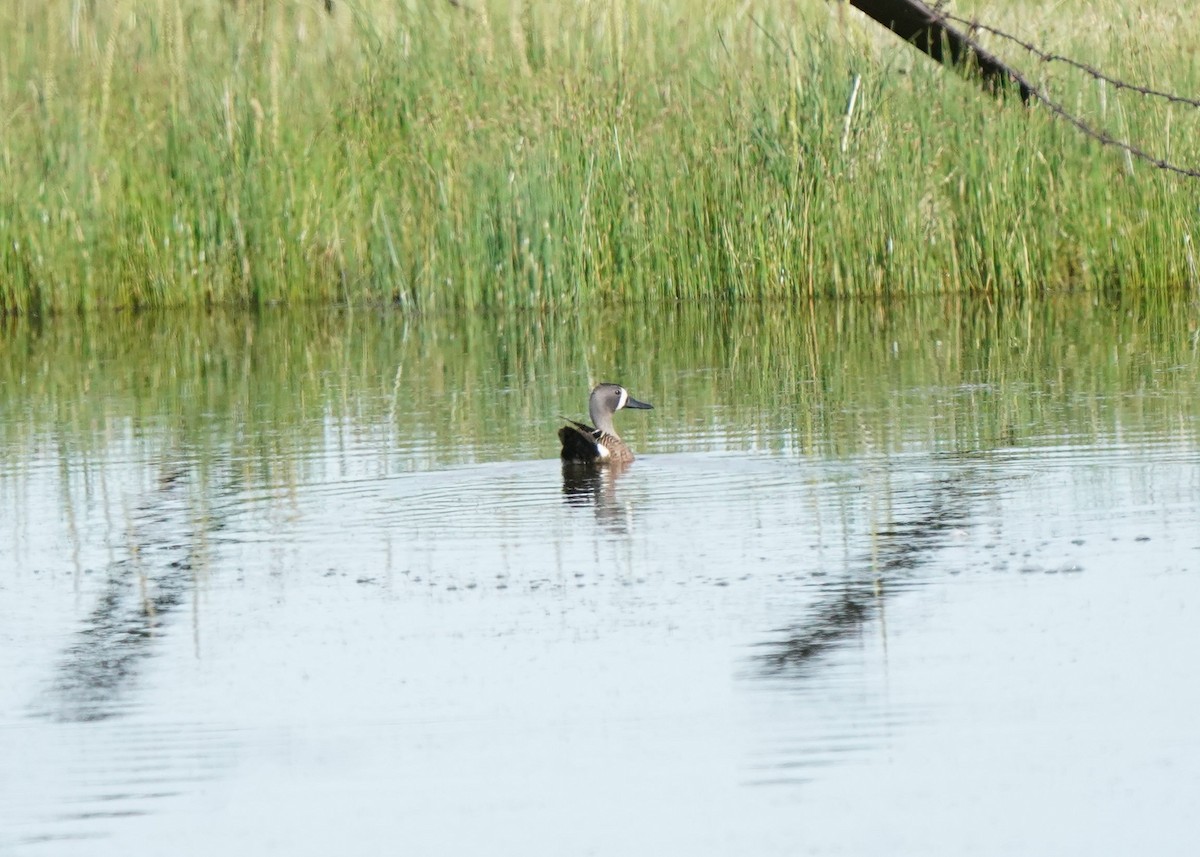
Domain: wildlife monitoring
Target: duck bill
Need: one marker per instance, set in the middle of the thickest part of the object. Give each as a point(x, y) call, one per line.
point(631, 402)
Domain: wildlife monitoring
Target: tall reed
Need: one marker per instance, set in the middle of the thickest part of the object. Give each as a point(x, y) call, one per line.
point(528, 153)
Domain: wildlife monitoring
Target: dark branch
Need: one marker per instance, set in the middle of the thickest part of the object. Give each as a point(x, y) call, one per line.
point(929, 32)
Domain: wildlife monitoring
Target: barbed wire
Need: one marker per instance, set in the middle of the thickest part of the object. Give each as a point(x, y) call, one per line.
point(1058, 110)
point(1059, 58)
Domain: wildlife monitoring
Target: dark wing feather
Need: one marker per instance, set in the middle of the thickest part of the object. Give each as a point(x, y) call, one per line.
point(578, 442)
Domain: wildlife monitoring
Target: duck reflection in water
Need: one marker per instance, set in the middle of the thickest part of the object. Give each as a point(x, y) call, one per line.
point(589, 485)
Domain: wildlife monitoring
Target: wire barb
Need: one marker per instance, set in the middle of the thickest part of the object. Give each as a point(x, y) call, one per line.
point(1040, 95)
point(1073, 63)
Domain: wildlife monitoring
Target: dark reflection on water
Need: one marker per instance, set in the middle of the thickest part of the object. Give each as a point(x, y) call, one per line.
point(97, 671)
point(140, 595)
point(166, 539)
point(899, 548)
point(61, 837)
point(124, 770)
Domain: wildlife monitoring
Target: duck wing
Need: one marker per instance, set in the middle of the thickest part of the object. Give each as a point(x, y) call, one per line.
point(579, 442)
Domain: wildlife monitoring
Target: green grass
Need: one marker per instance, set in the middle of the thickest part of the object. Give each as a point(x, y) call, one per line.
point(159, 153)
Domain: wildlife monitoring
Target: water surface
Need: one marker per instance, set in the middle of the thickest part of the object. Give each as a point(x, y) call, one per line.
point(908, 578)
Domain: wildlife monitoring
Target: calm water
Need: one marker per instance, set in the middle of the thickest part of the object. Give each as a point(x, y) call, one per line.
point(904, 579)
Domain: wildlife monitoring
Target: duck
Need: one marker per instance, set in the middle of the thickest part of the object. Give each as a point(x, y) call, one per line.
point(600, 445)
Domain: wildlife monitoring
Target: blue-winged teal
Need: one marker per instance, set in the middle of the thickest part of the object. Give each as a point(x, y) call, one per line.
point(602, 444)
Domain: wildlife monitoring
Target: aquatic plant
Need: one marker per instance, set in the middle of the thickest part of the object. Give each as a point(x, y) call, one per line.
point(531, 154)
point(286, 389)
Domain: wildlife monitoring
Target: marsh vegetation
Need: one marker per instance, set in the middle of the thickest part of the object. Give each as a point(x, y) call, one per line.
point(535, 154)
